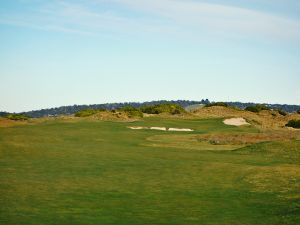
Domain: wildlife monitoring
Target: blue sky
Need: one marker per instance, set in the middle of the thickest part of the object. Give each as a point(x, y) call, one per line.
point(64, 52)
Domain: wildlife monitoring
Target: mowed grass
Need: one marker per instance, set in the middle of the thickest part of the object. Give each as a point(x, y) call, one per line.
point(86, 172)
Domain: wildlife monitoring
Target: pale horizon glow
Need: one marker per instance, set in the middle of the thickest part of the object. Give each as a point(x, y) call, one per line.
point(63, 52)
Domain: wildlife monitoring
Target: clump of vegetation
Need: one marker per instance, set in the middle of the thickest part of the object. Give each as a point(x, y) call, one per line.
point(298, 111)
point(217, 104)
point(88, 112)
point(17, 117)
point(282, 112)
point(4, 114)
point(257, 108)
point(131, 111)
point(293, 123)
point(162, 108)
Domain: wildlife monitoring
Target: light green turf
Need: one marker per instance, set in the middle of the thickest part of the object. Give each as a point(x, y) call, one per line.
point(104, 173)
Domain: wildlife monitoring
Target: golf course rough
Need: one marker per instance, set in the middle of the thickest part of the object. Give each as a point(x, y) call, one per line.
point(97, 172)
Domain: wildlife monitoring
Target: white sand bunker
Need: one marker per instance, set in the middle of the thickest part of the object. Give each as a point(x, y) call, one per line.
point(138, 128)
point(158, 128)
point(162, 129)
point(236, 122)
point(180, 129)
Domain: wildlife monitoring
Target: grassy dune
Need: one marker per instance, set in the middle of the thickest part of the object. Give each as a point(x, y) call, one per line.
point(97, 172)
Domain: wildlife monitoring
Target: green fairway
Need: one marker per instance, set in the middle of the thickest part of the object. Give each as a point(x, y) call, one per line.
point(95, 172)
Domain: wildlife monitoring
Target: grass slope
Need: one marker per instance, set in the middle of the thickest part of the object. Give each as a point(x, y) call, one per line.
point(86, 172)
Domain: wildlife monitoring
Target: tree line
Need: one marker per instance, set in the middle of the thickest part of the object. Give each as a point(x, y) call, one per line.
point(68, 110)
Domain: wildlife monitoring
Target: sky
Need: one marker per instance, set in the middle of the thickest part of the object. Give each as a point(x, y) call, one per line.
point(66, 52)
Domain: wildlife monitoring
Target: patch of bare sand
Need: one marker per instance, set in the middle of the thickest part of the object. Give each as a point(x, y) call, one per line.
point(160, 128)
point(180, 129)
point(138, 128)
point(236, 122)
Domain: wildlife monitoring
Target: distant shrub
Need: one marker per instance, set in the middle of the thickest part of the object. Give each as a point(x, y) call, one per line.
point(282, 112)
point(298, 111)
point(87, 112)
point(217, 104)
point(131, 111)
point(257, 108)
point(163, 108)
point(293, 123)
point(17, 117)
point(4, 114)
point(252, 109)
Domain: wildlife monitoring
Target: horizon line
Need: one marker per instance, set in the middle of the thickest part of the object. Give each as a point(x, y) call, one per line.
point(141, 102)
